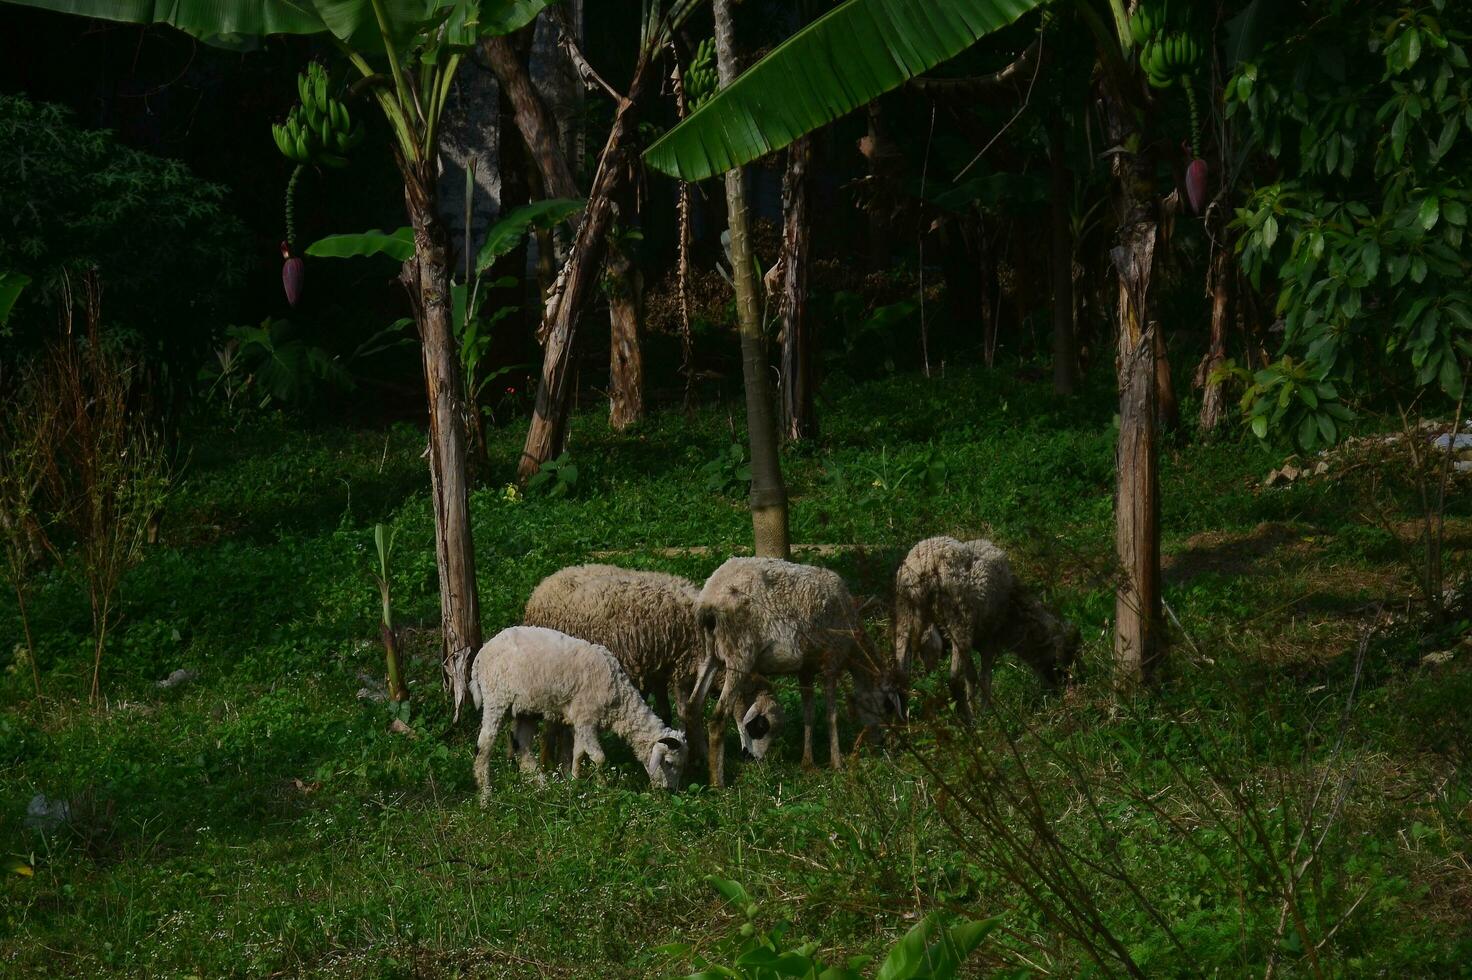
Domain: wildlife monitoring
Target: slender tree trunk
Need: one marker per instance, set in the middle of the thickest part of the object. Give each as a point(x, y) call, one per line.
point(1213, 399)
point(768, 494)
point(1138, 637)
point(799, 418)
point(626, 361)
point(427, 277)
point(575, 284)
point(1065, 350)
point(1167, 406)
point(882, 154)
point(534, 118)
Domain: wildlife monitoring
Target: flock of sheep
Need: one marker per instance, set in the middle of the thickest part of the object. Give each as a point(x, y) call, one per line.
point(599, 642)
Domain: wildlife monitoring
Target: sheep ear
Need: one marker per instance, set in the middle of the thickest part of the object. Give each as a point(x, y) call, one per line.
point(672, 742)
point(758, 727)
point(656, 756)
point(751, 713)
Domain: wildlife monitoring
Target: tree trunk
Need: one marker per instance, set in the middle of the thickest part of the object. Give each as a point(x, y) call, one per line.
point(799, 347)
point(768, 494)
point(626, 361)
point(533, 117)
point(1167, 407)
point(575, 284)
point(427, 277)
point(1213, 399)
point(1065, 351)
point(1138, 637)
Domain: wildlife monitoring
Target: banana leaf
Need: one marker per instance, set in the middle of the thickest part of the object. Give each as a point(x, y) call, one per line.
point(507, 233)
point(397, 245)
point(350, 21)
point(844, 59)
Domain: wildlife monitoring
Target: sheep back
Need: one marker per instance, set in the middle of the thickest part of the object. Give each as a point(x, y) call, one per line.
point(532, 670)
point(779, 610)
point(646, 619)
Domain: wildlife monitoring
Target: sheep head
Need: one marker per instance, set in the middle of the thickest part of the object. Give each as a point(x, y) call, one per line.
point(667, 760)
point(761, 725)
point(1049, 643)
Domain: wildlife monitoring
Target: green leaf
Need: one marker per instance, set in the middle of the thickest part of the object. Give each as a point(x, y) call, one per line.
point(1429, 213)
point(507, 233)
point(11, 284)
point(1327, 428)
point(206, 19)
point(1308, 432)
point(1455, 212)
point(732, 890)
point(846, 58)
point(907, 957)
point(499, 17)
point(1260, 426)
point(397, 245)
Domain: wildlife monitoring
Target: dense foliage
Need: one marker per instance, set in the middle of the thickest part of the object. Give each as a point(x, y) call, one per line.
point(1366, 110)
point(168, 249)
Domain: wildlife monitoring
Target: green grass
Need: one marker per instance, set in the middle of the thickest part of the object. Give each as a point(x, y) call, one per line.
point(263, 820)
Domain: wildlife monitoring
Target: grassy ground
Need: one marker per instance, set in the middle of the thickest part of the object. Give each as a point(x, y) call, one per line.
point(263, 820)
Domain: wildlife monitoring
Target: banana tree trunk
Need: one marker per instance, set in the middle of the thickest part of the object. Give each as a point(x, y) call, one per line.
point(625, 359)
point(427, 277)
point(1065, 351)
point(768, 494)
point(1138, 636)
point(799, 418)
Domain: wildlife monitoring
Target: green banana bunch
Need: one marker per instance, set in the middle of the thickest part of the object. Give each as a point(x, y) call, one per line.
point(319, 129)
point(1168, 56)
point(701, 80)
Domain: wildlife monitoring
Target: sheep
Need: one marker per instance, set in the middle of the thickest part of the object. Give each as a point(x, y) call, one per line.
point(528, 672)
point(773, 616)
point(967, 592)
point(647, 620)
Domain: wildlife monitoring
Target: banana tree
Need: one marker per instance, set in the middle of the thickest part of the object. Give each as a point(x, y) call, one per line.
point(844, 59)
point(407, 53)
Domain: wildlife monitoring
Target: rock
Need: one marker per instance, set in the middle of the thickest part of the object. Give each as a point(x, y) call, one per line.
point(180, 676)
point(1463, 440)
point(1438, 658)
point(45, 815)
point(372, 694)
point(399, 728)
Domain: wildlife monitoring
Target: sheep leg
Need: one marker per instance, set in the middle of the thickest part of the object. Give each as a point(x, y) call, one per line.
point(493, 712)
point(835, 756)
point(805, 683)
point(963, 680)
point(585, 744)
point(716, 728)
point(522, 736)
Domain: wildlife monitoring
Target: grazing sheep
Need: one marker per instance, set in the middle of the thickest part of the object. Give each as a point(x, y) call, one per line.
point(647, 621)
point(966, 591)
point(528, 672)
point(776, 617)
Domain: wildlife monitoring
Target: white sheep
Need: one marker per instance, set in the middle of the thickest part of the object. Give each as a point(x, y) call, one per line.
point(647, 620)
point(967, 592)
point(529, 672)
point(776, 617)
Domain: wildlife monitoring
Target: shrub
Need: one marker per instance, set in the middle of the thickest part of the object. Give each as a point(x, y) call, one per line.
point(75, 199)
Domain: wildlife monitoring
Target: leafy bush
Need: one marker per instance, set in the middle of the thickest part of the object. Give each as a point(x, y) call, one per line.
point(1365, 111)
point(729, 472)
point(75, 199)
